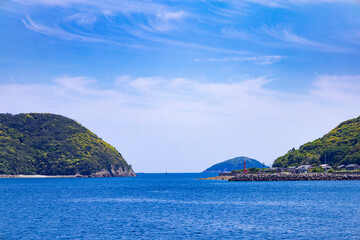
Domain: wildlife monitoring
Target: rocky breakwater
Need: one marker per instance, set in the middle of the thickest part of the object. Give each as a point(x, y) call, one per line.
point(296, 177)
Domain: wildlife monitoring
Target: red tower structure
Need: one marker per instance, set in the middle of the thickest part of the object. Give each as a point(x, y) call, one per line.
point(245, 172)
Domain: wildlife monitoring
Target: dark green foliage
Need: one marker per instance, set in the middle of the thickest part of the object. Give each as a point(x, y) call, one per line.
point(340, 146)
point(250, 170)
point(317, 169)
point(52, 145)
point(235, 164)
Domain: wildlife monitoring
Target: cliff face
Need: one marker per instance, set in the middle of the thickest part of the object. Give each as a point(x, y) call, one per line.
point(340, 146)
point(51, 144)
point(113, 173)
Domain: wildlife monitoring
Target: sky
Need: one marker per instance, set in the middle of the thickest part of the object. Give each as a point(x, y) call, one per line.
point(177, 86)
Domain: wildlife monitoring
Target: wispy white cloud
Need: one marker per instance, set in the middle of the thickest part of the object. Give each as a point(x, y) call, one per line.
point(179, 96)
point(161, 23)
point(164, 22)
point(84, 19)
point(295, 40)
point(260, 60)
point(79, 85)
point(344, 89)
point(56, 31)
point(159, 16)
point(224, 10)
point(122, 79)
point(229, 96)
point(287, 3)
point(351, 36)
point(168, 16)
point(61, 33)
point(285, 38)
point(265, 60)
point(232, 8)
point(230, 32)
point(51, 2)
point(155, 19)
point(67, 35)
point(109, 6)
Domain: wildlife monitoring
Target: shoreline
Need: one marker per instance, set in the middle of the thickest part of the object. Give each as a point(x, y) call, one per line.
point(40, 176)
point(63, 176)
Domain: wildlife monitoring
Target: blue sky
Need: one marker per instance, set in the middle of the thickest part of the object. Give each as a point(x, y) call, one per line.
point(180, 85)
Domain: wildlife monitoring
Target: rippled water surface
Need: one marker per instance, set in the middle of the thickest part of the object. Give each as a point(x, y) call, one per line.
point(177, 206)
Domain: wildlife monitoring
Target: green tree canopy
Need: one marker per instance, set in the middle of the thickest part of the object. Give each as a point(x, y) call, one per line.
point(51, 144)
point(340, 146)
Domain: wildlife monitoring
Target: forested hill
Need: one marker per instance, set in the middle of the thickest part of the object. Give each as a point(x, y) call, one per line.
point(340, 146)
point(51, 144)
point(235, 164)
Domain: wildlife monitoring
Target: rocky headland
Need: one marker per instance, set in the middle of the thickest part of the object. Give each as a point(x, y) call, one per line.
point(49, 145)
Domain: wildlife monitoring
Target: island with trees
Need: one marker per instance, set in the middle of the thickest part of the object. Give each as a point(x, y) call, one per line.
point(235, 164)
point(54, 145)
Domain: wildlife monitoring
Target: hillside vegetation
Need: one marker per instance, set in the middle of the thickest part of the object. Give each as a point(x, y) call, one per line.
point(235, 164)
point(340, 146)
point(54, 145)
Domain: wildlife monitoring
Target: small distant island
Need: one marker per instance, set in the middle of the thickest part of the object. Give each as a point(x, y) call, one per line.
point(235, 164)
point(335, 156)
point(42, 144)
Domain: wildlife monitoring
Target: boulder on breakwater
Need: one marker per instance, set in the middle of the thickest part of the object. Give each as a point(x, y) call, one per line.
point(296, 177)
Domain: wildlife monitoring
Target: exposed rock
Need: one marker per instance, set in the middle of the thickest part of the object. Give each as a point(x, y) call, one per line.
point(114, 173)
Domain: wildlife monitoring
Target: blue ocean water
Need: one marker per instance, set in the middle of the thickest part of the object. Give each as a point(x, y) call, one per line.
point(177, 206)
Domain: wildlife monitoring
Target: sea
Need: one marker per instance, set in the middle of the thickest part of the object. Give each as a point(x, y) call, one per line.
point(177, 206)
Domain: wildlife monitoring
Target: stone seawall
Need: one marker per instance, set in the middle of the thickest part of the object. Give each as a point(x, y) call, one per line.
point(296, 177)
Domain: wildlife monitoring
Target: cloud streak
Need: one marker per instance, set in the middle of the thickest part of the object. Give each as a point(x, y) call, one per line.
point(158, 16)
point(36, 27)
point(344, 89)
point(288, 3)
point(148, 24)
point(288, 37)
point(260, 60)
point(121, 39)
